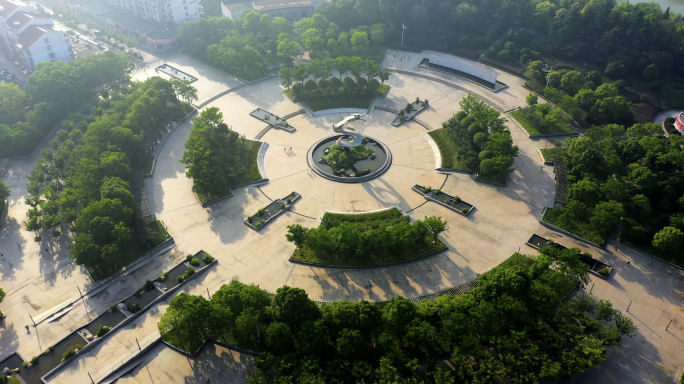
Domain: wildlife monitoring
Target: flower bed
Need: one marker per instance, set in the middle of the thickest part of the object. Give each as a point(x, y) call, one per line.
point(444, 199)
point(596, 267)
point(271, 211)
point(174, 72)
point(411, 110)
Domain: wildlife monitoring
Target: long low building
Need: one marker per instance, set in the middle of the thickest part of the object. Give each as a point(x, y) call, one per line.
point(155, 36)
point(291, 10)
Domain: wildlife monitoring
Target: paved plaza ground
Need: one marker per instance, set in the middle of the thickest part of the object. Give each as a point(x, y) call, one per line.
point(503, 219)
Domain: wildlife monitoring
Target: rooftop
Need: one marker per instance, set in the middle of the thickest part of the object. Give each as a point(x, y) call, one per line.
point(133, 23)
point(163, 33)
point(21, 18)
point(238, 7)
point(270, 5)
point(7, 7)
point(33, 33)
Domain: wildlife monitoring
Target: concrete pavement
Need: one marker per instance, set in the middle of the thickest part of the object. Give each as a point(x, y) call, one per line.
point(504, 218)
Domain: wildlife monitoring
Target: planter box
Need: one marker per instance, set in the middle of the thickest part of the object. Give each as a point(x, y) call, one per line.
point(439, 199)
point(417, 107)
point(594, 265)
point(177, 73)
point(273, 209)
point(272, 120)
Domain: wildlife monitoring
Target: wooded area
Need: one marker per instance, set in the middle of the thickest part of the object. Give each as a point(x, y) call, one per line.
point(514, 327)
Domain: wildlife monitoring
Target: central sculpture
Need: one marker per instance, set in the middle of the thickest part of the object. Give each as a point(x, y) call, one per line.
point(339, 128)
point(348, 156)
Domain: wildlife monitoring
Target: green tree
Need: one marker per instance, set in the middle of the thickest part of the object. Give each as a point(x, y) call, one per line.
point(532, 99)
point(435, 225)
point(288, 49)
point(297, 234)
point(4, 192)
point(286, 75)
point(342, 64)
point(359, 40)
point(668, 239)
point(293, 307)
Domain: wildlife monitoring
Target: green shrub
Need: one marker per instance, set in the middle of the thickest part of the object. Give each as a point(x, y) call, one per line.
point(260, 212)
point(34, 360)
point(194, 261)
point(133, 307)
point(207, 258)
point(149, 285)
point(604, 271)
point(139, 292)
point(438, 191)
point(282, 205)
point(71, 351)
point(162, 278)
point(457, 200)
point(465, 210)
point(427, 189)
point(189, 271)
point(103, 330)
point(180, 278)
point(289, 201)
point(188, 258)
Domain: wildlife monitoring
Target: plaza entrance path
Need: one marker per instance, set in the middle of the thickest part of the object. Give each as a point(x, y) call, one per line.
point(503, 219)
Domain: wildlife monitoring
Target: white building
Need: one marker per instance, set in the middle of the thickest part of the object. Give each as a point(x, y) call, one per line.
point(27, 35)
point(162, 12)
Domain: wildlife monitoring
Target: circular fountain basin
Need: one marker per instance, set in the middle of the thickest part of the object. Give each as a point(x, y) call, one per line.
point(377, 166)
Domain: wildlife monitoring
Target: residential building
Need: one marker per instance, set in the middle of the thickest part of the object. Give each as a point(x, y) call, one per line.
point(291, 10)
point(158, 35)
point(28, 35)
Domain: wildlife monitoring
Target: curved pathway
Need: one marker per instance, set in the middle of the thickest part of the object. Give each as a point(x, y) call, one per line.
point(503, 219)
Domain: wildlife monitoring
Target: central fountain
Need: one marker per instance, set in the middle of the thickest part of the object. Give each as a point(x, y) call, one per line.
point(349, 157)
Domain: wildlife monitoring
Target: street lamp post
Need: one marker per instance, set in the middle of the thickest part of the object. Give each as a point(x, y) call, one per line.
point(403, 27)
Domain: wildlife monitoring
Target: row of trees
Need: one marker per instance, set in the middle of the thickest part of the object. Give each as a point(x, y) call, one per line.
point(216, 157)
point(54, 89)
point(342, 240)
point(634, 174)
point(513, 327)
point(584, 97)
point(481, 137)
point(81, 179)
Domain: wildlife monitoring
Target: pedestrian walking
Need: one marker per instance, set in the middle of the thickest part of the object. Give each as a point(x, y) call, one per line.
point(628, 263)
point(18, 245)
point(201, 376)
point(219, 370)
point(207, 366)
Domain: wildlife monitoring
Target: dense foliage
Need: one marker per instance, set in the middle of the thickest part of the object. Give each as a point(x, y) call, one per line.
point(635, 174)
point(243, 47)
point(218, 158)
point(514, 327)
point(82, 178)
point(366, 238)
point(53, 90)
point(481, 139)
point(320, 89)
point(542, 119)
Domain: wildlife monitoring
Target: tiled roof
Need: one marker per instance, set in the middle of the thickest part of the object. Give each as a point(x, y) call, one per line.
point(32, 34)
point(6, 8)
point(20, 19)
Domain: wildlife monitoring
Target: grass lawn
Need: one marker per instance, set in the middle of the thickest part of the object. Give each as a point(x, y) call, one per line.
point(536, 129)
point(14, 380)
point(373, 54)
point(552, 216)
point(163, 234)
point(341, 101)
point(498, 178)
point(147, 166)
point(447, 150)
point(550, 153)
point(366, 221)
point(251, 175)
